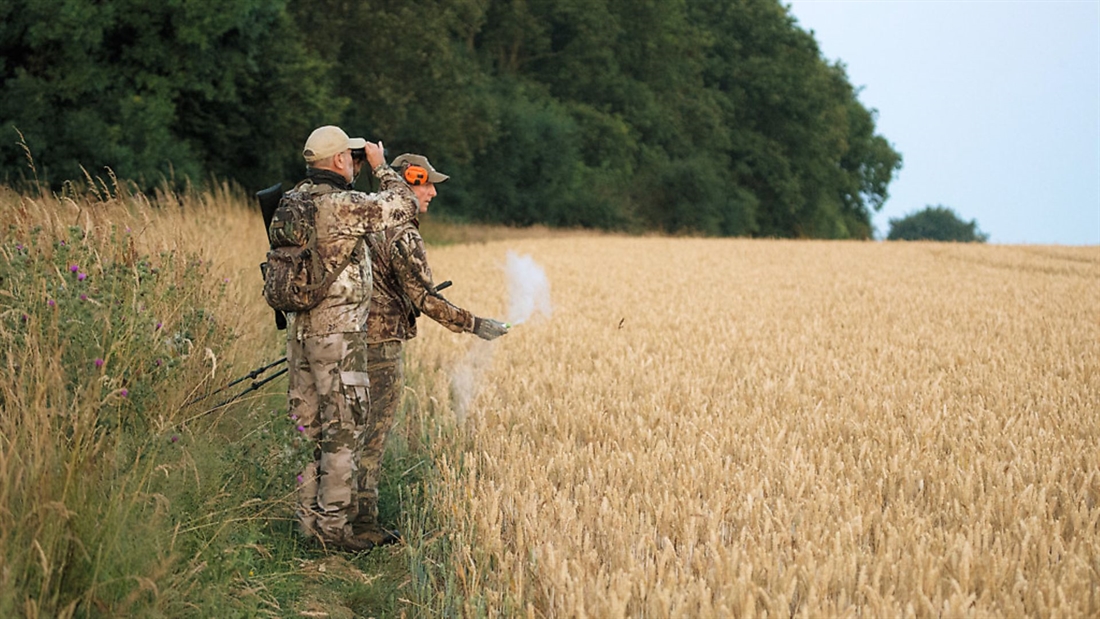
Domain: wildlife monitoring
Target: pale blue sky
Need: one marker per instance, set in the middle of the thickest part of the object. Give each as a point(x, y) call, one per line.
point(994, 105)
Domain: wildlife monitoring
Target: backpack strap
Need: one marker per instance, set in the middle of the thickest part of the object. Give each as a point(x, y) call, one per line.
point(331, 276)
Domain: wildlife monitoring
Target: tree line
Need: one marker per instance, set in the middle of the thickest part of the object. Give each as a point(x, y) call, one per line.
point(718, 117)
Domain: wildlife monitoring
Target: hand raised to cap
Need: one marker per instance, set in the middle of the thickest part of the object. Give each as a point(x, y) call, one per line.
point(375, 154)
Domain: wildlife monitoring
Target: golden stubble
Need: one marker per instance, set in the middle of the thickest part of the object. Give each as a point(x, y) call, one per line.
point(740, 428)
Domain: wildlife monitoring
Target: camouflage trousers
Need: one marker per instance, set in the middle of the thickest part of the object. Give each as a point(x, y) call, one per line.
point(329, 392)
point(387, 381)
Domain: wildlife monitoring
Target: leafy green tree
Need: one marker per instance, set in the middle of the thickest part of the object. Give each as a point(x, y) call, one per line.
point(935, 223)
point(732, 94)
point(177, 90)
point(410, 76)
point(801, 141)
point(532, 173)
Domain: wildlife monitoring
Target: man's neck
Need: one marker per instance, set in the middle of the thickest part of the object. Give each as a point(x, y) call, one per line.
point(319, 175)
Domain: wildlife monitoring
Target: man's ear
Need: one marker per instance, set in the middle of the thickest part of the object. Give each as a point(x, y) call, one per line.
point(346, 161)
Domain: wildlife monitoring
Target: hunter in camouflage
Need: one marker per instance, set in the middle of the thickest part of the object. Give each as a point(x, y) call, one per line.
point(326, 346)
point(403, 289)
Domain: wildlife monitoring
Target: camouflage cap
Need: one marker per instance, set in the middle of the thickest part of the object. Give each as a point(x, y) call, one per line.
point(409, 159)
point(326, 141)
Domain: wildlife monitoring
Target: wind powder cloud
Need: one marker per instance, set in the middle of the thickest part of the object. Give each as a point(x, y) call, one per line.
point(528, 296)
point(528, 289)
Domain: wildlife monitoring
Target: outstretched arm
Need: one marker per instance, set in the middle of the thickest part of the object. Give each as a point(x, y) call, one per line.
point(410, 263)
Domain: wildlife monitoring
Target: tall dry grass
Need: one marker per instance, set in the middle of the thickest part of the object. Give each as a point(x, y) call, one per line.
point(732, 428)
point(114, 312)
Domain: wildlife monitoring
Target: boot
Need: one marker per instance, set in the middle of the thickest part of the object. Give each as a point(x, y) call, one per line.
point(374, 532)
point(348, 541)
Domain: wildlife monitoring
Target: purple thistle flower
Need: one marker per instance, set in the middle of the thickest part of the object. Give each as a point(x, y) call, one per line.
point(124, 393)
point(156, 362)
point(158, 324)
point(99, 363)
point(80, 277)
point(50, 303)
point(83, 297)
point(299, 479)
point(74, 268)
point(293, 417)
point(19, 247)
point(62, 243)
point(24, 318)
point(301, 428)
point(175, 438)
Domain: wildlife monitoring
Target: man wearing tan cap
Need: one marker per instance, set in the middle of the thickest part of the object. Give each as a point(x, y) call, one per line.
point(327, 345)
point(403, 289)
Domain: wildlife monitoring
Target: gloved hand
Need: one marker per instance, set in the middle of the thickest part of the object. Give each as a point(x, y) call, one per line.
point(489, 329)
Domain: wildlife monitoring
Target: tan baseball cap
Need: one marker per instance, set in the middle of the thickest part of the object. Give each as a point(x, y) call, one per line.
point(409, 159)
point(326, 141)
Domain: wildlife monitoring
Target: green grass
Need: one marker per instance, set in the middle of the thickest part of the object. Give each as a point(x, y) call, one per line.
point(234, 498)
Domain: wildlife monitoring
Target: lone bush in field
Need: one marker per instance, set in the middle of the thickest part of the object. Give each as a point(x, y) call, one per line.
point(935, 223)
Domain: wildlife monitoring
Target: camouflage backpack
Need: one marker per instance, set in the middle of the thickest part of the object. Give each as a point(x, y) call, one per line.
point(295, 277)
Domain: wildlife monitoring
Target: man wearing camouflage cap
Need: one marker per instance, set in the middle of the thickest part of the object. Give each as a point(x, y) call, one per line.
point(403, 289)
point(326, 345)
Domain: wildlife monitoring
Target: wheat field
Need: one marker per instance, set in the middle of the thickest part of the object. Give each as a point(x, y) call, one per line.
point(740, 428)
point(737, 428)
point(727, 428)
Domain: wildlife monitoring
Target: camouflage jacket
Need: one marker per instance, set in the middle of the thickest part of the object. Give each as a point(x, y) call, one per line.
point(403, 288)
point(344, 218)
